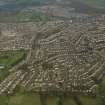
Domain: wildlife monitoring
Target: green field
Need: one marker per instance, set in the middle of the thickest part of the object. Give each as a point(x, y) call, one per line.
point(90, 100)
point(25, 16)
point(9, 59)
point(34, 99)
point(69, 101)
point(31, 16)
point(24, 99)
point(20, 99)
point(52, 100)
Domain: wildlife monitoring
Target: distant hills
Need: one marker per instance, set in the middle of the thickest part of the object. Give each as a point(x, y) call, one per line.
point(22, 1)
point(94, 3)
point(10, 5)
point(25, 10)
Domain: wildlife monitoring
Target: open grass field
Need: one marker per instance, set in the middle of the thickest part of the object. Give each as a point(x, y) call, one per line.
point(20, 99)
point(69, 101)
point(34, 99)
point(51, 100)
point(24, 99)
point(25, 16)
point(9, 59)
point(85, 100)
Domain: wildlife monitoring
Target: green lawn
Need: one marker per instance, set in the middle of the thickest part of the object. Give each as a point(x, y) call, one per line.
point(34, 99)
point(3, 100)
point(86, 100)
point(52, 100)
point(24, 99)
point(20, 99)
point(69, 101)
point(9, 59)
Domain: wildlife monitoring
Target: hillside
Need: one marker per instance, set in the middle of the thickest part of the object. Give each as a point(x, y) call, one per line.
point(79, 5)
point(95, 3)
